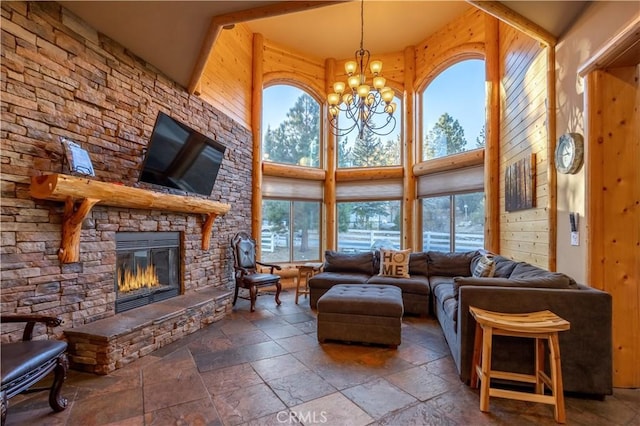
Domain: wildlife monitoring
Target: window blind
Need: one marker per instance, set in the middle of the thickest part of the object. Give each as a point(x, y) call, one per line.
point(292, 189)
point(451, 182)
point(382, 189)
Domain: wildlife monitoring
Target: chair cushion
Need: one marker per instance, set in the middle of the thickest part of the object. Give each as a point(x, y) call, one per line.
point(260, 279)
point(19, 358)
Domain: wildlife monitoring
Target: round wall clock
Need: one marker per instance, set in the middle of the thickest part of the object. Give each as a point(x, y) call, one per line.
point(569, 153)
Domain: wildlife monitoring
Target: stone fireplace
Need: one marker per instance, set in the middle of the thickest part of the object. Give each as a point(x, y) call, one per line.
point(59, 254)
point(147, 268)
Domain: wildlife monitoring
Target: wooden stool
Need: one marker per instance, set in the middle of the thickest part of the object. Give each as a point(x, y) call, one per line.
point(306, 270)
point(536, 325)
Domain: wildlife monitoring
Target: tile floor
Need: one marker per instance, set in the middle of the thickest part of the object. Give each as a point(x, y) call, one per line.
point(266, 368)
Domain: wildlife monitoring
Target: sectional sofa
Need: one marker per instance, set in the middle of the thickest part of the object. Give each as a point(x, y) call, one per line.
point(443, 285)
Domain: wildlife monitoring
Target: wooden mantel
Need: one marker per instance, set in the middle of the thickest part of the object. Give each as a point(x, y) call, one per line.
point(80, 194)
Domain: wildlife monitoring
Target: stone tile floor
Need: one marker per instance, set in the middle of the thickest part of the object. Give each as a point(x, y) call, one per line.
point(266, 367)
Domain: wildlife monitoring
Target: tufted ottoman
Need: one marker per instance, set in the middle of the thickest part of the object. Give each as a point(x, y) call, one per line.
point(369, 313)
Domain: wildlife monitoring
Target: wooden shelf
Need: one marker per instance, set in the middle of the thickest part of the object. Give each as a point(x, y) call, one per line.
point(80, 195)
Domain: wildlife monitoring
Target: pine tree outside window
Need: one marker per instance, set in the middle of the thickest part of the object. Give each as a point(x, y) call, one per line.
point(372, 150)
point(291, 126)
point(453, 110)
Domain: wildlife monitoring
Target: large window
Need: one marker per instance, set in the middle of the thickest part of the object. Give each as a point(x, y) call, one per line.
point(453, 110)
point(367, 225)
point(371, 150)
point(291, 126)
point(453, 222)
point(290, 231)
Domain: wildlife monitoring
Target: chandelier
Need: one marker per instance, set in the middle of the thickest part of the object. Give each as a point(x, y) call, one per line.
point(362, 106)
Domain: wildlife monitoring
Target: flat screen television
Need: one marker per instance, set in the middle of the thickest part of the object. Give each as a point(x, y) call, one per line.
point(181, 158)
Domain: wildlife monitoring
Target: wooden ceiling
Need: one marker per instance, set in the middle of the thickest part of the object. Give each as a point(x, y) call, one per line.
point(174, 36)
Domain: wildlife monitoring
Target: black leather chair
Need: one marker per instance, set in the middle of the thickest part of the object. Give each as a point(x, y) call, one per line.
point(246, 269)
point(26, 362)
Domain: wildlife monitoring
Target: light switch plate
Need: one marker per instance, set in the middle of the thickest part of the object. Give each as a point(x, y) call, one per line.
point(575, 238)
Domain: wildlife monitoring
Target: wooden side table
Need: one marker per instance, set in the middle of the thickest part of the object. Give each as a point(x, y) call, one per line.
point(306, 270)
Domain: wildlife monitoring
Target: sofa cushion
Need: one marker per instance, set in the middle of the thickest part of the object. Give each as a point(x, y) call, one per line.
point(504, 266)
point(394, 263)
point(443, 292)
point(526, 271)
point(450, 264)
point(325, 280)
point(416, 284)
point(450, 308)
point(348, 262)
point(418, 264)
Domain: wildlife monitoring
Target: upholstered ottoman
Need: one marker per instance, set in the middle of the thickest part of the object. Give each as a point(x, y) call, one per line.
point(369, 313)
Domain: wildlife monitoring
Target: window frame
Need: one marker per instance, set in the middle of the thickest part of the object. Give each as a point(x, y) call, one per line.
point(444, 62)
point(452, 218)
point(291, 202)
point(311, 91)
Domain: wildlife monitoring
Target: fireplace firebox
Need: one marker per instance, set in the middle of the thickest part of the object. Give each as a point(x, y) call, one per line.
point(147, 268)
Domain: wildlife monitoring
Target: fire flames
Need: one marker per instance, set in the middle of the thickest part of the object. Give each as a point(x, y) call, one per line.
point(142, 278)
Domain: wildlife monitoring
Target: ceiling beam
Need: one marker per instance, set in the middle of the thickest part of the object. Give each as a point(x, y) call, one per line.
point(510, 17)
point(220, 21)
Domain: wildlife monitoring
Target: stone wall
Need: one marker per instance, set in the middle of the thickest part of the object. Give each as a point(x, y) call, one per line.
point(60, 77)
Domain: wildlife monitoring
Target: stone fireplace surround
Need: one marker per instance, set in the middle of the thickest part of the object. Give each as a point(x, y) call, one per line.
point(66, 79)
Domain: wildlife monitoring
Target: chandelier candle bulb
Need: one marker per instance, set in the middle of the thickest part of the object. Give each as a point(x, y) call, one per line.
point(376, 67)
point(350, 67)
point(379, 82)
point(333, 99)
point(363, 91)
point(387, 94)
point(354, 81)
point(338, 87)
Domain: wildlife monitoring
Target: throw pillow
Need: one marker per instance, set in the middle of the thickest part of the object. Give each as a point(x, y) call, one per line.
point(485, 267)
point(394, 263)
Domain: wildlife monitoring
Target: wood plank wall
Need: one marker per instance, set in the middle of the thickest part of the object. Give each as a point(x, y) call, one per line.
point(436, 52)
point(285, 65)
point(226, 80)
point(524, 235)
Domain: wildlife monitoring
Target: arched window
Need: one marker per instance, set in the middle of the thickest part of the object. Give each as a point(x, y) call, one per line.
point(291, 207)
point(453, 121)
point(453, 110)
point(290, 126)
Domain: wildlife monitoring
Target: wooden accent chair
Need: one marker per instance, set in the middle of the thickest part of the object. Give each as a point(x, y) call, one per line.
point(246, 269)
point(26, 362)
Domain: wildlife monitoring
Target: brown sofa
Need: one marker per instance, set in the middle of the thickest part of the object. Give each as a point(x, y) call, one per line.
point(442, 284)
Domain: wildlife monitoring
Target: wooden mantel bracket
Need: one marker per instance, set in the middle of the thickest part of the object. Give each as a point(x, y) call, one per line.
point(65, 188)
point(206, 230)
point(74, 214)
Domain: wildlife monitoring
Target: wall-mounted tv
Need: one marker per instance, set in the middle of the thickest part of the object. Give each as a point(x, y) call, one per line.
point(181, 158)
